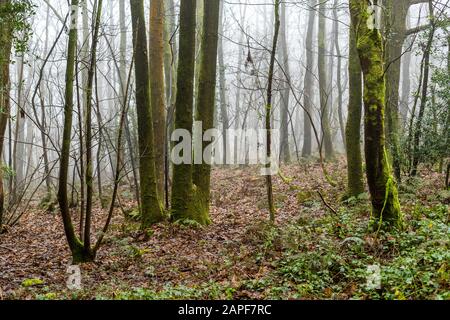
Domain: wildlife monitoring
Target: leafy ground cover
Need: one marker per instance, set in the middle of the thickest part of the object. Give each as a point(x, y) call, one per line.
point(310, 253)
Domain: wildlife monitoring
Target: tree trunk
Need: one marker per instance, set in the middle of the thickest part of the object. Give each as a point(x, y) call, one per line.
point(182, 189)
point(151, 210)
point(353, 129)
point(323, 87)
point(424, 96)
point(75, 245)
point(5, 54)
point(157, 88)
point(406, 84)
point(271, 204)
point(285, 154)
point(338, 71)
point(308, 83)
point(206, 104)
point(88, 125)
point(222, 89)
point(382, 186)
point(395, 28)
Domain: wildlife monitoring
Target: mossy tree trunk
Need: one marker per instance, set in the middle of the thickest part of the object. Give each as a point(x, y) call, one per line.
point(151, 209)
point(182, 187)
point(323, 87)
point(382, 186)
point(88, 127)
point(157, 88)
point(5, 55)
point(206, 104)
point(75, 245)
point(355, 180)
point(308, 83)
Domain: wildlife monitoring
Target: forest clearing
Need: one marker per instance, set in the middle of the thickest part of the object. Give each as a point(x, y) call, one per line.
point(224, 150)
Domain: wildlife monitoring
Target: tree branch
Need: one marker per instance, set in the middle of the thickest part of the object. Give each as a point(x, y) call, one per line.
point(417, 29)
point(413, 2)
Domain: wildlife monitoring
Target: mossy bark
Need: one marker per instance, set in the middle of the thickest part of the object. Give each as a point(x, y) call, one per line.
point(206, 103)
point(79, 252)
point(382, 186)
point(355, 180)
point(88, 128)
point(157, 88)
point(5, 54)
point(151, 209)
point(182, 187)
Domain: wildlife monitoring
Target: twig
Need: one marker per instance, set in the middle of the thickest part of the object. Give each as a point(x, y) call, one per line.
point(6, 248)
point(326, 204)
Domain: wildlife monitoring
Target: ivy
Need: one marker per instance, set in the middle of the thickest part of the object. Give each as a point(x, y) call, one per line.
point(16, 15)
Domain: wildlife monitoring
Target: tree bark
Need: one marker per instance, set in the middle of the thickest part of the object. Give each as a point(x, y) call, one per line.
point(382, 185)
point(285, 153)
point(182, 189)
point(269, 185)
point(222, 89)
point(151, 209)
point(355, 178)
point(424, 96)
point(323, 87)
point(157, 88)
point(5, 55)
point(75, 245)
point(308, 83)
point(206, 104)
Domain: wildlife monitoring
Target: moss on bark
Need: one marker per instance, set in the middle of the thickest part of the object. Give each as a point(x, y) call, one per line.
point(206, 105)
point(151, 208)
point(182, 187)
point(382, 186)
point(355, 178)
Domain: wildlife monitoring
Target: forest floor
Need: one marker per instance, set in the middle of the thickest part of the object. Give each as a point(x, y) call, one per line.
point(310, 253)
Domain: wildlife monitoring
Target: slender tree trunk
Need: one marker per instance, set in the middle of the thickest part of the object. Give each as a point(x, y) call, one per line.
point(206, 104)
point(19, 141)
point(285, 153)
point(395, 27)
point(75, 245)
point(157, 88)
point(237, 121)
point(424, 96)
point(151, 209)
point(5, 55)
point(308, 83)
point(88, 126)
point(338, 72)
point(271, 204)
point(382, 185)
point(182, 189)
point(42, 91)
point(222, 89)
point(406, 84)
point(324, 94)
